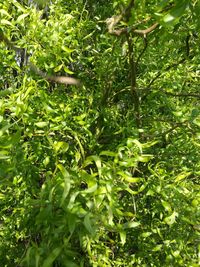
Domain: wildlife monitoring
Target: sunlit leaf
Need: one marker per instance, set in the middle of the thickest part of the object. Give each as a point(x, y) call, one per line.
point(90, 190)
point(130, 225)
point(171, 219)
point(166, 205)
point(108, 153)
point(4, 12)
point(66, 49)
point(176, 12)
point(6, 22)
point(122, 235)
point(131, 142)
point(60, 145)
point(22, 17)
point(182, 176)
point(157, 247)
point(41, 124)
point(4, 154)
point(58, 68)
point(18, 5)
point(67, 70)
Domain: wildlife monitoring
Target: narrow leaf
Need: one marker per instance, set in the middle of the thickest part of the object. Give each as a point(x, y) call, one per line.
point(51, 258)
point(67, 182)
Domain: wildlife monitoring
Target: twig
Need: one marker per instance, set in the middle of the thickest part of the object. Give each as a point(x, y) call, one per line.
point(142, 52)
point(148, 88)
point(182, 95)
point(170, 67)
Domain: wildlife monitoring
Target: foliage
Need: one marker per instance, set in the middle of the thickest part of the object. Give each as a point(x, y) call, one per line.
point(106, 173)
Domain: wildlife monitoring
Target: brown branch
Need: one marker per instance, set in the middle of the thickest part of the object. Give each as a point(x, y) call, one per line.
point(146, 31)
point(111, 22)
point(125, 15)
point(51, 78)
point(58, 79)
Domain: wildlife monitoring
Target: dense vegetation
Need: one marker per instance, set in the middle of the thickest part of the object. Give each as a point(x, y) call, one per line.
point(105, 172)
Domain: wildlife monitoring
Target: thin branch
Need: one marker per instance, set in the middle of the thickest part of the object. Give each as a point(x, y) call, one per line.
point(127, 11)
point(58, 79)
point(170, 67)
point(187, 45)
point(134, 92)
point(9, 44)
point(181, 95)
point(177, 125)
point(142, 52)
point(125, 15)
point(148, 88)
point(146, 31)
point(111, 22)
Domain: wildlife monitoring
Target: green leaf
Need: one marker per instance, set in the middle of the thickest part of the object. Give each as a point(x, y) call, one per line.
point(52, 257)
point(131, 142)
point(67, 70)
point(5, 128)
point(69, 263)
point(66, 49)
point(166, 205)
point(90, 190)
point(182, 176)
point(88, 225)
point(122, 235)
point(108, 153)
point(41, 124)
point(129, 162)
point(144, 158)
point(97, 161)
point(157, 247)
point(197, 121)
point(176, 12)
point(128, 225)
point(22, 17)
point(67, 182)
point(18, 5)
point(58, 68)
point(46, 160)
point(171, 219)
point(60, 145)
point(71, 220)
point(6, 22)
point(128, 178)
point(4, 12)
point(4, 154)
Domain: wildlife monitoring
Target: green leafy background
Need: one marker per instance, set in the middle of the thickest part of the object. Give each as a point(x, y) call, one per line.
point(80, 183)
